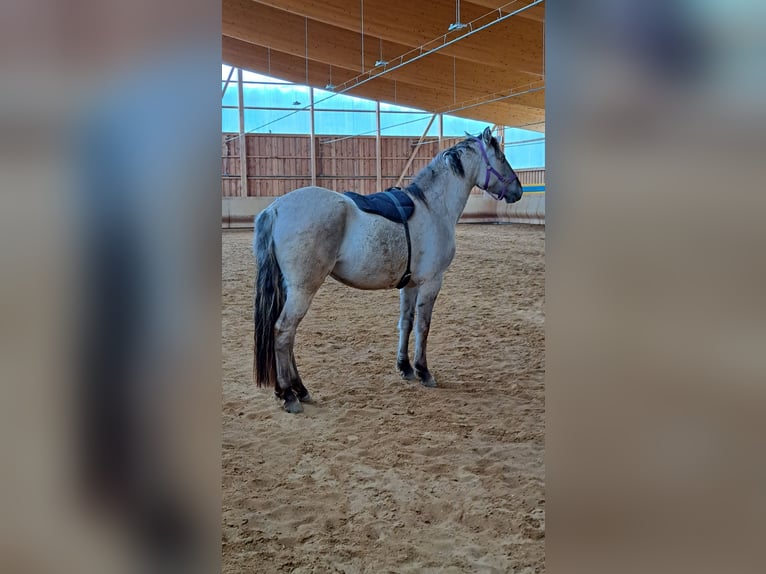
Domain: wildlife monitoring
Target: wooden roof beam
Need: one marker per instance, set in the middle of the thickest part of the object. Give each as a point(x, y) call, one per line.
point(518, 48)
point(319, 76)
point(536, 13)
point(291, 68)
point(278, 30)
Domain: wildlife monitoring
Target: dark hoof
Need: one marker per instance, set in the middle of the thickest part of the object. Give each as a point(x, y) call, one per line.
point(293, 406)
point(405, 370)
point(306, 398)
point(426, 378)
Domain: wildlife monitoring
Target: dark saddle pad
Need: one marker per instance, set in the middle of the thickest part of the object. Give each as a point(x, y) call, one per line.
point(381, 204)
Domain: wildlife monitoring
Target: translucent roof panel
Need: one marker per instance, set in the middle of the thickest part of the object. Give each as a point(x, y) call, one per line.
point(523, 148)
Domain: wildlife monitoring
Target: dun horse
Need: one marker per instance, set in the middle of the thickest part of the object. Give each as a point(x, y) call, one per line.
point(312, 232)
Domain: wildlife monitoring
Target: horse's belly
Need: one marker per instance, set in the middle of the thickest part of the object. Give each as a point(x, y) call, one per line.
point(373, 254)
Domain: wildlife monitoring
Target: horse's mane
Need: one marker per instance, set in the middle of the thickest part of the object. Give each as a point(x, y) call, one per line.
point(416, 191)
point(450, 157)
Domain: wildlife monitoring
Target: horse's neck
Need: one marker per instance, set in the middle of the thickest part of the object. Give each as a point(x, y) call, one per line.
point(450, 194)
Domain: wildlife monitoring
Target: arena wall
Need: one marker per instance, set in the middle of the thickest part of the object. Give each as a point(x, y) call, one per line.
point(277, 164)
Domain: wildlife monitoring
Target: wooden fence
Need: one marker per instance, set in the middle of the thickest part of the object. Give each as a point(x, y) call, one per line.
point(277, 164)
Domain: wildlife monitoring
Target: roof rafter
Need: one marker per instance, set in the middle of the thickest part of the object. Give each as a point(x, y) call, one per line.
point(517, 46)
point(292, 68)
point(323, 39)
point(267, 27)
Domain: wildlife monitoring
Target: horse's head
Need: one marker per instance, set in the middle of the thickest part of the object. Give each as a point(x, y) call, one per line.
point(496, 176)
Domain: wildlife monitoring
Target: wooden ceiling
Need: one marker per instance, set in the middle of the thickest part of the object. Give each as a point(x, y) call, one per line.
point(273, 37)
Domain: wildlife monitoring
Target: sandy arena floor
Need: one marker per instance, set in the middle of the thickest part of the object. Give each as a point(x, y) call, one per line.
point(383, 475)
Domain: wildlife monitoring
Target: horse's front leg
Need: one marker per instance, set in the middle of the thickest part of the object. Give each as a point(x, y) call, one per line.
point(425, 305)
point(407, 300)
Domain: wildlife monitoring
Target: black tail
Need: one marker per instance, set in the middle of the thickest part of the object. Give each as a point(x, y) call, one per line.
point(269, 301)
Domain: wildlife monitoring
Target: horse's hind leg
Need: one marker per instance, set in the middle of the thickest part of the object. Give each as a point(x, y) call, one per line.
point(407, 300)
point(296, 383)
point(296, 305)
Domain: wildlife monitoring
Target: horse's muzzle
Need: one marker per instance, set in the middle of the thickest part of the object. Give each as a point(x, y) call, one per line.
point(514, 193)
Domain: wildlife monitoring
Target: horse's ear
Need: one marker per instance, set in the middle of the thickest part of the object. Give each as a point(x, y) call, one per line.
point(487, 135)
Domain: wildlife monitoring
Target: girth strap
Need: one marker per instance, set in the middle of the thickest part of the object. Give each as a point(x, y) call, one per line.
point(407, 274)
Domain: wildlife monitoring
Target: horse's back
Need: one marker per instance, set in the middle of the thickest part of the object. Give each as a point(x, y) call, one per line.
point(309, 196)
point(309, 207)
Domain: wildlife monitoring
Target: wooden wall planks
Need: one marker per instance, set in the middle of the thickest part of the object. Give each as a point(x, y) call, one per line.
point(277, 164)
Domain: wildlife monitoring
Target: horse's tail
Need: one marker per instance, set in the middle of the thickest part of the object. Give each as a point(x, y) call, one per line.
point(269, 300)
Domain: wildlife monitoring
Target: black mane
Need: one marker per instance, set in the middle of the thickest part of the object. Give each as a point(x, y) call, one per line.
point(453, 154)
point(415, 191)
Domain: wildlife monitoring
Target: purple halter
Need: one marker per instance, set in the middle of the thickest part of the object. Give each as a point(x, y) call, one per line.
point(490, 170)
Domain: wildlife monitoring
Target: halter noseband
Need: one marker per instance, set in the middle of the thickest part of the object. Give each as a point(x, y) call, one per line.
point(490, 170)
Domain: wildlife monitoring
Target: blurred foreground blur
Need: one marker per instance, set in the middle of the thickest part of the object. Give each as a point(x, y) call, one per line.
point(656, 325)
point(109, 226)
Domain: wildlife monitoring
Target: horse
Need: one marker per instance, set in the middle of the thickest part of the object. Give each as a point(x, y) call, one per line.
point(312, 232)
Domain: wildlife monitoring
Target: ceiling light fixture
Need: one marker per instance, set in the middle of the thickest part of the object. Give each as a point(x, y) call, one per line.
point(380, 61)
point(457, 24)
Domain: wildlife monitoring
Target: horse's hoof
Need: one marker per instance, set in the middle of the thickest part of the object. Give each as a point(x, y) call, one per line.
point(306, 398)
point(293, 407)
point(405, 369)
point(430, 383)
